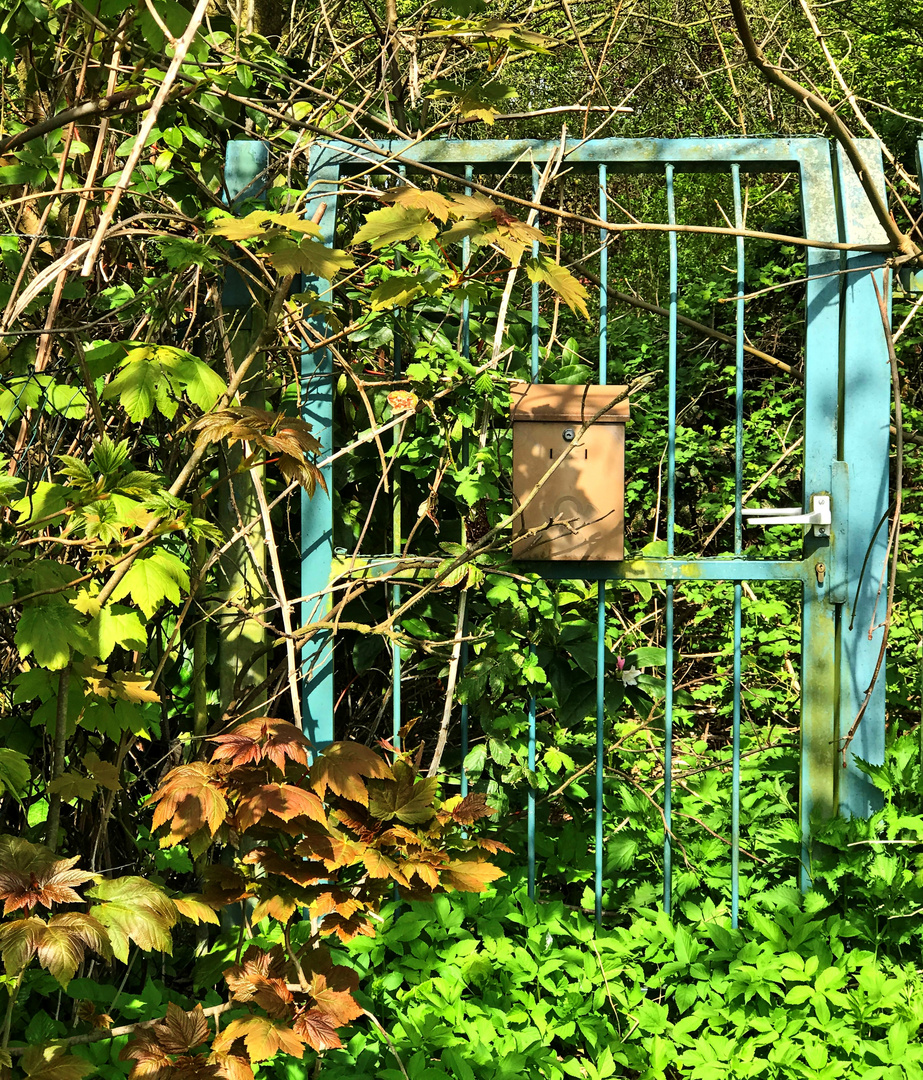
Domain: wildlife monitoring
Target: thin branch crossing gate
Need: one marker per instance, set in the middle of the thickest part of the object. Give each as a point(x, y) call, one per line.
point(845, 462)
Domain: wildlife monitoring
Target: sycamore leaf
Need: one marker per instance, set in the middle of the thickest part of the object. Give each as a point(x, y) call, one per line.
point(471, 808)
point(405, 797)
point(340, 768)
point(103, 772)
point(14, 772)
point(19, 942)
point(189, 800)
point(112, 626)
point(152, 1062)
point(196, 909)
point(231, 1067)
point(181, 1031)
point(392, 224)
point(285, 801)
point(137, 910)
point(468, 876)
point(87, 1014)
point(244, 228)
point(338, 1006)
point(262, 738)
point(296, 223)
point(261, 979)
point(71, 785)
point(31, 874)
point(47, 632)
point(411, 198)
point(130, 686)
point(425, 871)
point(346, 927)
point(332, 850)
point(271, 862)
point(262, 1036)
point(65, 941)
point(493, 846)
point(546, 271)
point(308, 257)
point(316, 1028)
point(149, 581)
point(397, 291)
point(54, 1063)
point(474, 102)
point(278, 907)
point(380, 865)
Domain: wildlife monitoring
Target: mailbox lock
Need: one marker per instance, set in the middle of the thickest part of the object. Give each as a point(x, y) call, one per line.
point(568, 434)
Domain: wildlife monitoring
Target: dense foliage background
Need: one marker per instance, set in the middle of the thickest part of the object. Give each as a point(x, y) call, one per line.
point(152, 469)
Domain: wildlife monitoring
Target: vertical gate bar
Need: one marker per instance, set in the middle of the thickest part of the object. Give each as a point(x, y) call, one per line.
point(601, 584)
point(317, 511)
point(396, 541)
point(738, 544)
point(671, 523)
point(531, 760)
point(466, 352)
point(864, 445)
point(819, 770)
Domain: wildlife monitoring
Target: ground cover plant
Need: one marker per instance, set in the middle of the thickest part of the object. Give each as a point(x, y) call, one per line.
point(190, 888)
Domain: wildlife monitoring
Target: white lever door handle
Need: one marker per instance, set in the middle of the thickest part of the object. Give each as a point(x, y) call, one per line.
point(819, 517)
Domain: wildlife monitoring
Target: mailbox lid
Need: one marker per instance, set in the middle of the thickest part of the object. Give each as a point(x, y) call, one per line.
point(570, 404)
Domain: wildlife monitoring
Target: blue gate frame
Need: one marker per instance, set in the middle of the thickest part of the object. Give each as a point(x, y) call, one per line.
point(846, 450)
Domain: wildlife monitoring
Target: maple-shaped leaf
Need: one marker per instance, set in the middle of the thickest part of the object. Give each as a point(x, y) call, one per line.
point(151, 1060)
point(333, 850)
point(367, 829)
point(473, 229)
point(342, 765)
point(397, 291)
point(181, 1031)
point(285, 801)
point(424, 870)
point(31, 874)
point(261, 979)
point(296, 223)
point(262, 738)
point(338, 902)
point(307, 257)
point(222, 885)
point(64, 943)
point(339, 1006)
point(468, 876)
point(393, 224)
point(255, 223)
point(190, 800)
point(231, 1067)
point(412, 198)
point(196, 908)
point(404, 797)
point(317, 1030)
point(380, 865)
point(87, 1014)
point(348, 928)
point(470, 809)
point(54, 1063)
point(103, 772)
point(71, 785)
point(275, 906)
point(546, 271)
point(262, 1036)
point(493, 846)
point(19, 942)
point(474, 206)
point(476, 102)
point(134, 909)
point(271, 862)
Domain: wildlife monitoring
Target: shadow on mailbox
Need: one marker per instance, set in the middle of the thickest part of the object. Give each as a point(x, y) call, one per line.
point(579, 512)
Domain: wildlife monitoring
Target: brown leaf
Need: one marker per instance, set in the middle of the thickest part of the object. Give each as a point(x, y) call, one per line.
point(231, 1067)
point(223, 885)
point(347, 928)
point(31, 874)
point(339, 1006)
point(425, 871)
point(65, 941)
point(380, 865)
point(19, 942)
point(340, 768)
point(471, 808)
point(468, 876)
point(285, 801)
point(317, 1030)
point(181, 1031)
point(262, 1037)
point(87, 1014)
point(54, 1063)
point(419, 199)
point(196, 908)
point(493, 846)
point(151, 1063)
point(262, 738)
point(189, 799)
point(301, 873)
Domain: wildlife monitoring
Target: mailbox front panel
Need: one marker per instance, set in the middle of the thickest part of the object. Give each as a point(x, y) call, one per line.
point(586, 493)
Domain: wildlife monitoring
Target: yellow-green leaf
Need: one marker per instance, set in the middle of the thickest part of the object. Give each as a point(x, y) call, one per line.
point(393, 224)
point(307, 257)
point(562, 281)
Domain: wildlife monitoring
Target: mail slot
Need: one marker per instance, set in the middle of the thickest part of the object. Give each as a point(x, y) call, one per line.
point(585, 496)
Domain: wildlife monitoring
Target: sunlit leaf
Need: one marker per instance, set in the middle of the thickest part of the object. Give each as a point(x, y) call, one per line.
point(412, 198)
point(308, 257)
point(54, 1063)
point(64, 943)
point(262, 1036)
point(469, 876)
point(134, 910)
point(262, 738)
point(342, 765)
point(393, 224)
point(404, 797)
point(562, 281)
point(190, 801)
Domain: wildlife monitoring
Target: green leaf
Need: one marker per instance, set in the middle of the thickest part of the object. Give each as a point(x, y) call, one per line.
point(134, 910)
point(405, 797)
point(308, 257)
point(115, 626)
point(47, 632)
point(397, 291)
point(151, 580)
point(54, 1063)
point(546, 271)
point(393, 224)
point(14, 772)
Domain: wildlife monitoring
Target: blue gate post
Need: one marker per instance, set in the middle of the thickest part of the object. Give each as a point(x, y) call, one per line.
point(866, 410)
point(317, 511)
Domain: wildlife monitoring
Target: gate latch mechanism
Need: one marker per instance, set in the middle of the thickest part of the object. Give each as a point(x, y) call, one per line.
point(819, 516)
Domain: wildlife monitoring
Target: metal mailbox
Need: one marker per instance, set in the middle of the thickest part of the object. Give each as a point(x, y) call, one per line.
point(584, 497)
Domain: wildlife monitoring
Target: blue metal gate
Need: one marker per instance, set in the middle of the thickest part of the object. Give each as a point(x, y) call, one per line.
point(846, 438)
